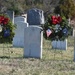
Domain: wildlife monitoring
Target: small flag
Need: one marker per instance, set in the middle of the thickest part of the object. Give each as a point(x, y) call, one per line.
point(48, 32)
point(6, 32)
point(65, 31)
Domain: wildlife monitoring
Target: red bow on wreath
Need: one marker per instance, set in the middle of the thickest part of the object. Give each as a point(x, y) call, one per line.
point(3, 20)
point(56, 19)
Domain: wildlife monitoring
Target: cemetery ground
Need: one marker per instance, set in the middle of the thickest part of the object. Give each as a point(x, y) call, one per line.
point(53, 62)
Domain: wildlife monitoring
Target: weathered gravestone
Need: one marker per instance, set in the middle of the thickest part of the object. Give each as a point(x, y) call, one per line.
point(18, 39)
point(33, 38)
point(35, 17)
point(10, 15)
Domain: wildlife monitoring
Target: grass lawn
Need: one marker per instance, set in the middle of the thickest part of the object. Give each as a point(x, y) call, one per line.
point(54, 62)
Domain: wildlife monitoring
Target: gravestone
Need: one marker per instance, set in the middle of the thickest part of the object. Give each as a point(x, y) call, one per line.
point(61, 45)
point(35, 16)
point(10, 14)
point(20, 18)
point(18, 40)
point(73, 32)
point(33, 38)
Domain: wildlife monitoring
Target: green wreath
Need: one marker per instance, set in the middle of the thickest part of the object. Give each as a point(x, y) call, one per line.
point(6, 29)
point(57, 28)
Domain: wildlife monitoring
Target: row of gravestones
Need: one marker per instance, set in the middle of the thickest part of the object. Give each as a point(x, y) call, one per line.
point(28, 33)
point(34, 16)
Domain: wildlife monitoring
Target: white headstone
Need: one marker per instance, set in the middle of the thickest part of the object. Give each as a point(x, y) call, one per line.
point(33, 38)
point(18, 39)
point(19, 18)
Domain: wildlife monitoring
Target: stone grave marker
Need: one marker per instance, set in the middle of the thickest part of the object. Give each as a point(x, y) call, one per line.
point(35, 17)
point(33, 39)
point(18, 40)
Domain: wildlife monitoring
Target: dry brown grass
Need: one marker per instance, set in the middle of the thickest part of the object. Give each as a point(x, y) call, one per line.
point(54, 62)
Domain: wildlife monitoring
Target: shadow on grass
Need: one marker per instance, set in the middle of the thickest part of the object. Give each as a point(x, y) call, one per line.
point(7, 57)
